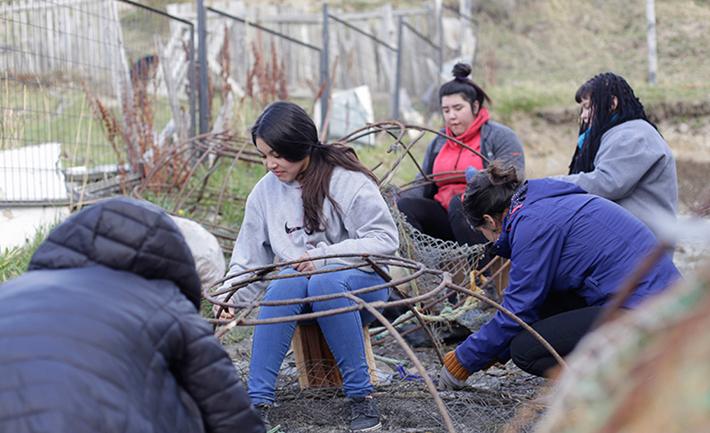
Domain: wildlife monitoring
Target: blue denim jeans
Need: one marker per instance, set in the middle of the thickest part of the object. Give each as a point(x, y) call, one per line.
point(343, 332)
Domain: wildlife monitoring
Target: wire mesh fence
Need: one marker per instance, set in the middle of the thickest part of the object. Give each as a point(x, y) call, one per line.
point(88, 87)
point(52, 52)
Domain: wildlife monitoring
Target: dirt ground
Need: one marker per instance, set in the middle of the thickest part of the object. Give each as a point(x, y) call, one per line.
point(491, 400)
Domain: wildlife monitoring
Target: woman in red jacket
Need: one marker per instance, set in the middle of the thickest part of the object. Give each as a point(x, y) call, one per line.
point(436, 209)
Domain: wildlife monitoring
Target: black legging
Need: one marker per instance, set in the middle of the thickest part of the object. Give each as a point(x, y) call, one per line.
point(429, 217)
point(562, 330)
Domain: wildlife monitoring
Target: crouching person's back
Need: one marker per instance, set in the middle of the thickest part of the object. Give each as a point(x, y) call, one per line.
point(102, 334)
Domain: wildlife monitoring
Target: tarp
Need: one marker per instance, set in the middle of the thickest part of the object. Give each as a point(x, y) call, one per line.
point(351, 109)
point(32, 174)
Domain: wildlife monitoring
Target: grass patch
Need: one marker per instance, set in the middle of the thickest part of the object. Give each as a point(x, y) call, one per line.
point(14, 261)
point(33, 113)
point(529, 98)
point(235, 180)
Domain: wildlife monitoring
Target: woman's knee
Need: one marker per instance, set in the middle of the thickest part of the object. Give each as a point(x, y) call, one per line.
point(531, 356)
point(523, 351)
point(407, 205)
point(456, 213)
point(287, 288)
point(326, 284)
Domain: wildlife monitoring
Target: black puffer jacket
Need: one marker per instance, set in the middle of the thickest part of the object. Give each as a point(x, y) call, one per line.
point(102, 334)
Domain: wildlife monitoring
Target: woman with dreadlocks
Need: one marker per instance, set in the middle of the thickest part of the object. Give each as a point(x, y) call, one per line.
point(620, 154)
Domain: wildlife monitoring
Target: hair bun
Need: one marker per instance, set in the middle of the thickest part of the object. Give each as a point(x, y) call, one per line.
point(501, 173)
point(461, 71)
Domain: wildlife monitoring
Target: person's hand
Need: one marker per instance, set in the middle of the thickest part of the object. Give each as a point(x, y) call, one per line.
point(470, 173)
point(453, 375)
point(447, 381)
point(305, 264)
point(226, 313)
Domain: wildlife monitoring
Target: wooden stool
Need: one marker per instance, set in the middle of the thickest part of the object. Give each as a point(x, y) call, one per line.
point(314, 361)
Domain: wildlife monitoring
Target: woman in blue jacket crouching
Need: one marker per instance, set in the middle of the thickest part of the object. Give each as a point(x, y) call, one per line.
point(570, 251)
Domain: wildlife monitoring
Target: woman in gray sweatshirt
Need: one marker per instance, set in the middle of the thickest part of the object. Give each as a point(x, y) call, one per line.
point(316, 200)
point(620, 154)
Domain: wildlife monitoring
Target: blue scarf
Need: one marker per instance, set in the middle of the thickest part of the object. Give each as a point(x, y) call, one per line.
point(585, 133)
point(582, 137)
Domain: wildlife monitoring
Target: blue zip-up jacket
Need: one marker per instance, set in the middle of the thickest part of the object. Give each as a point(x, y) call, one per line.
point(559, 239)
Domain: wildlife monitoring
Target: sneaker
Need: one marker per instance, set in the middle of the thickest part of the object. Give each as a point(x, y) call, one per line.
point(364, 416)
point(263, 411)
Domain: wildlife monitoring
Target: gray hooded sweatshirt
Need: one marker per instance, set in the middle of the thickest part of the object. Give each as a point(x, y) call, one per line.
point(635, 168)
point(272, 230)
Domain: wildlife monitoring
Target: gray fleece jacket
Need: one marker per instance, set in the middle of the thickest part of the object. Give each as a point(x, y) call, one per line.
point(635, 168)
point(498, 142)
point(272, 229)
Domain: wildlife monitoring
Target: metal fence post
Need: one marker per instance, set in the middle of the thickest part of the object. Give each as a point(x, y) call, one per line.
point(202, 64)
point(398, 69)
point(440, 34)
point(651, 41)
point(193, 83)
point(324, 75)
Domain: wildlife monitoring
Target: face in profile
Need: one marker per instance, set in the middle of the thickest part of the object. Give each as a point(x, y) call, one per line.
point(458, 113)
point(283, 169)
point(585, 111)
point(491, 234)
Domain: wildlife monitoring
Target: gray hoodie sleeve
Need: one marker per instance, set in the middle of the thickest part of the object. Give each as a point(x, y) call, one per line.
point(369, 224)
point(622, 160)
point(502, 144)
point(251, 250)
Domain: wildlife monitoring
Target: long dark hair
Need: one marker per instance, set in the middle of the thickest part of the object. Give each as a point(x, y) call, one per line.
point(601, 89)
point(287, 128)
point(490, 191)
point(469, 90)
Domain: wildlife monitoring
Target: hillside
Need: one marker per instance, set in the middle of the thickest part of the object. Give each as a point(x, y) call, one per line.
point(533, 55)
point(564, 42)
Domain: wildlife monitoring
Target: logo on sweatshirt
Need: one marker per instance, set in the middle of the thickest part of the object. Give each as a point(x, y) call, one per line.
point(290, 230)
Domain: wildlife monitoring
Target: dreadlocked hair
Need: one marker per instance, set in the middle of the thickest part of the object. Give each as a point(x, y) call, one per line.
point(601, 90)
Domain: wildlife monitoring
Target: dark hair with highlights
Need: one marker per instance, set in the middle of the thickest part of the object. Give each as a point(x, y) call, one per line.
point(287, 128)
point(601, 89)
point(463, 85)
point(490, 191)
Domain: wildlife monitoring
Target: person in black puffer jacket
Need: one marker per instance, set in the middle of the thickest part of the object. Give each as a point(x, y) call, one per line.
point(102, 334)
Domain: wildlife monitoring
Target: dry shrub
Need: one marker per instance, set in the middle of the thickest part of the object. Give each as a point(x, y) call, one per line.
point(269, 77)
point(116, 135)
point(225, 62)
point(138, 117)
point(133, 134)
